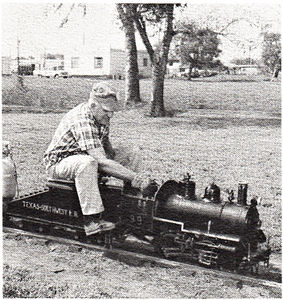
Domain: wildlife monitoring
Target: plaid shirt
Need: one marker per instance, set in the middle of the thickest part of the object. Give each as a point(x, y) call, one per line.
point(77, 132)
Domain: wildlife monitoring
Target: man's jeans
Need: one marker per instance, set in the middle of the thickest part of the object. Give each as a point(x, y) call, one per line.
point(83, 169)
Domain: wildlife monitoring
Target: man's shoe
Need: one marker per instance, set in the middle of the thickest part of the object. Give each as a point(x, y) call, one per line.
point(97, 226)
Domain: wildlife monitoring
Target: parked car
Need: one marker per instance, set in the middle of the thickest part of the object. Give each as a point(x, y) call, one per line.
point(184, 73)
point(54, 72)
point(207, 73)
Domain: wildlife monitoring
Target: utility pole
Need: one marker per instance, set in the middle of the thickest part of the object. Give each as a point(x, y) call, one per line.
point(83, 38)
point(18, 54)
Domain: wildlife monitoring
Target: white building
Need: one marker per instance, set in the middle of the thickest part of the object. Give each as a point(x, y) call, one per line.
point(10, 65)
point(173, 67)
point(6, 65)
point(245, 69)
point(249, 69)
point(103, 61)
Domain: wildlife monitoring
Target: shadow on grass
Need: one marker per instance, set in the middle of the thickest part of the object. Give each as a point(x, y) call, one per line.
point(220, 122)
point(228, 80)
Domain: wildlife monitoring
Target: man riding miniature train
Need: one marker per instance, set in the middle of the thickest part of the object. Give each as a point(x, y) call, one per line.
point(81, 148)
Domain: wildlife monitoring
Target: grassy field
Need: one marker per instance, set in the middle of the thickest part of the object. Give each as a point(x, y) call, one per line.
point(225, 92)
point(224, 129)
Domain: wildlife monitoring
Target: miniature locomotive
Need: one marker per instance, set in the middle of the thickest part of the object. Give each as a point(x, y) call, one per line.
point(171, 218)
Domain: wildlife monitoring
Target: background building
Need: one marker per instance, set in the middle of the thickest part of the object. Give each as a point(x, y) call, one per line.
point(103, 61)
point(6, 65)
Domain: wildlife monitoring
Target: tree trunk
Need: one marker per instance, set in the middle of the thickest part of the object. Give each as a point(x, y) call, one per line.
point(158, 57)
point(275, 72)
point(157, 104)
point(190, 71)
point(132, 69)
point(132, 84)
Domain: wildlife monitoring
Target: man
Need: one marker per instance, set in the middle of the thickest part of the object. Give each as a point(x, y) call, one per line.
point(81, 147)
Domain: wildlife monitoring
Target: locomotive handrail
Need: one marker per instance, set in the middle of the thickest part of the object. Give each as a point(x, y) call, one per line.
point(230, 237)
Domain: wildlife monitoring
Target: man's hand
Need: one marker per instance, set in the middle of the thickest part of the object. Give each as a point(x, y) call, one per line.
point(147, 186)
point(141, 181)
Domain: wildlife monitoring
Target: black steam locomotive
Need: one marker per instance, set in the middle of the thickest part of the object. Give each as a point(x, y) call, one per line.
point(171, 218)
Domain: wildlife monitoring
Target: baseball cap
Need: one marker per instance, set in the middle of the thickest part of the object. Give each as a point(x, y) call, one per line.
point(102, 92)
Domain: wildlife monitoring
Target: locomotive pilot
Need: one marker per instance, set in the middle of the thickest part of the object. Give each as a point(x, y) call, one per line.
point(80, 148)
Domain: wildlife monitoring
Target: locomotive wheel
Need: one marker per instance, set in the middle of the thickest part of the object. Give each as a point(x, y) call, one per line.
point(227, 261)
point(120, 238)
point(255, 268)
point(163, 241)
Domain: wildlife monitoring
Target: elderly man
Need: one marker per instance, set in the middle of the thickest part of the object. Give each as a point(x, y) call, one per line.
point(81, 147)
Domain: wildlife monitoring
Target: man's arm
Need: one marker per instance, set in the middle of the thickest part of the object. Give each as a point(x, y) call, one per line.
point(110, 166)
point(110, 152)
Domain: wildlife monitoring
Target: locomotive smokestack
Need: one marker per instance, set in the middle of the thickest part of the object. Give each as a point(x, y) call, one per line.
point(242, 193)
point(190, 187)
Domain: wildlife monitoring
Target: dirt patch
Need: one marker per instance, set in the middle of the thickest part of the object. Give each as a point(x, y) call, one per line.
point(35, 268)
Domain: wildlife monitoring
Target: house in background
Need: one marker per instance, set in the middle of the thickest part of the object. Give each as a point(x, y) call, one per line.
point(6, 65)
point(244, 69)
point(249, 69)
point(23, 65)
point(173, 67)
point(103, 61)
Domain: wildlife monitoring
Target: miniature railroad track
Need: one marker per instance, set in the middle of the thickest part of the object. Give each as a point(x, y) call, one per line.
point(272, 278)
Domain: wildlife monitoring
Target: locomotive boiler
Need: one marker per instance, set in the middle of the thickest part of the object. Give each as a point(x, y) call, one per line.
point(171, 218)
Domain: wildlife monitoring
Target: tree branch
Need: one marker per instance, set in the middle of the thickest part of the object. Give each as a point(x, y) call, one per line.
point(66, 19)
point(58, 7)
point(121, 12)
point(140, 24)
point(168, 32)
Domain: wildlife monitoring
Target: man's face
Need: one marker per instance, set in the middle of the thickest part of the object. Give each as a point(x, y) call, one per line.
point(103, 113)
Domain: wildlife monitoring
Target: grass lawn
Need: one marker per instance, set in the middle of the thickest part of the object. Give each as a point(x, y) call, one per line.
point(225, 92)
point(227, 129)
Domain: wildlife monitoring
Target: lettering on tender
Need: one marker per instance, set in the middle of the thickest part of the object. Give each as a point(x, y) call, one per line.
point(50, 209)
